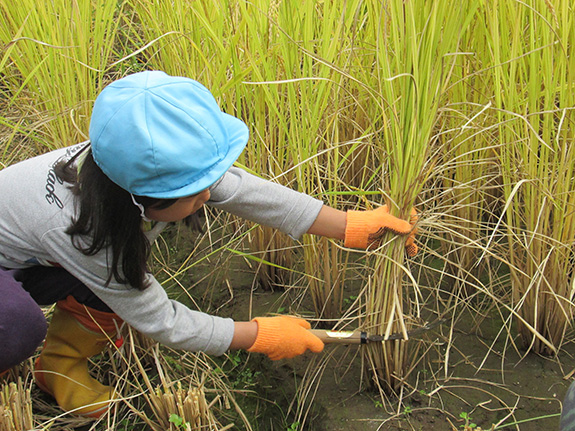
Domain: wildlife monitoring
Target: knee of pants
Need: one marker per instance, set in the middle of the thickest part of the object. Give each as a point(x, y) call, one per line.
point(22, 330)
point(568, 412)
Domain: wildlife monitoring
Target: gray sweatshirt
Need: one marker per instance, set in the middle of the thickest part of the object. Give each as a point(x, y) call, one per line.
point(36, 209)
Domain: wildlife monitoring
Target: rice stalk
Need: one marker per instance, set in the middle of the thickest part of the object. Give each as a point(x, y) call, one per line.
point(58, 54)
point(320, 141)
point(188, 405)
point(279, 87)
point(466, 189)
point(195, 39)
point(267, 111)
point(176, 394)
point(534, 102)
point(416, 44)
point(15, 407)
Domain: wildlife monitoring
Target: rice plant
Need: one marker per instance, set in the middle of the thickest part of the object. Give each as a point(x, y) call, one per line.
point(58, 55)
point(465, 187)
point(287, 99)
point(533, 92)
point(416, 45)
point(316, 93)
point(194, 39)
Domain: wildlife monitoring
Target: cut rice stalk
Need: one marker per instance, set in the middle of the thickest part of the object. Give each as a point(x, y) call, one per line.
point(15, 407)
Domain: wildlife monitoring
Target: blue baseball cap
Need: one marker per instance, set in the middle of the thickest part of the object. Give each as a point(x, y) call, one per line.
point(162, 136)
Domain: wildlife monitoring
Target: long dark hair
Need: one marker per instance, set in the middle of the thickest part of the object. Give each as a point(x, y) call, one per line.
point(107, 218)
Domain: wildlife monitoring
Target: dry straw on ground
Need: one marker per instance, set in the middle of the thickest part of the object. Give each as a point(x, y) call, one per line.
point(16, 407)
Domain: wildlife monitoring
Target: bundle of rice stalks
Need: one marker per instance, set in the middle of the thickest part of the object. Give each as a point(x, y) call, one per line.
point(417, 43)
point(176, 408)
point(16, 407)
point(172, 395)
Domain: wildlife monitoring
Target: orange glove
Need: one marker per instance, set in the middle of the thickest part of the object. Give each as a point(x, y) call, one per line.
point(410, 245)
point(284, 337)
point(364, 229)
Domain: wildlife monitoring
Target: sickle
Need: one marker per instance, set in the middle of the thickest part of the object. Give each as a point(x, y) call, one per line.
point(361, 337)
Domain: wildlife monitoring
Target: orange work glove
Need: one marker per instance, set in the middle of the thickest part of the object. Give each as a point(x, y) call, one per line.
point(364, 229)
point(410, 245)
point(284, 337)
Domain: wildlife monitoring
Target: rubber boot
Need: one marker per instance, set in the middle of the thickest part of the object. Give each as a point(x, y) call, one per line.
point(76, 333)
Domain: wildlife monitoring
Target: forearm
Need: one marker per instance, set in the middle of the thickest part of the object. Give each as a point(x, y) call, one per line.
point(264, 202)
point(330, 223)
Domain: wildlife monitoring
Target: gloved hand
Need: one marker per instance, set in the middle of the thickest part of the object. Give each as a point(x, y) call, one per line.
point(364, 229)
point(283, 337)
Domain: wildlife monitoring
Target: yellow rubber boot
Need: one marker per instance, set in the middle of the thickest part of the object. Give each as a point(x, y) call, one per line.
point(76, 333)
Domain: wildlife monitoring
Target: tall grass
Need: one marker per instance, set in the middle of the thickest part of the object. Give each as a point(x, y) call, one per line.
point(416, 47)
point(58, 54)
point(533, 83)
point(264, 106)
point(465, 187)
point(316, 93)
point(194, 39)
point(295, 88)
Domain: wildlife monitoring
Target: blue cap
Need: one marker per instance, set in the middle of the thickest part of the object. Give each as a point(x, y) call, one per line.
point(163, 137)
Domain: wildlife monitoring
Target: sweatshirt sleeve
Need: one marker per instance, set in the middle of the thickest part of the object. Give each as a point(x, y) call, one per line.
point(149, 311)
point(264, 202)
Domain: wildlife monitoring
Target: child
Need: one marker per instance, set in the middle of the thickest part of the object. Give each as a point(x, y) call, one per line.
point(72, 233)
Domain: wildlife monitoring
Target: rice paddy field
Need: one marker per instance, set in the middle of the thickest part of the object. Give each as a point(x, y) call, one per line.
point(464, 111)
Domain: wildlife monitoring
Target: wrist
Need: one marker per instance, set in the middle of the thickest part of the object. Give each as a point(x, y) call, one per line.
point(356, 235)
point(245, 334)
point(330, 223)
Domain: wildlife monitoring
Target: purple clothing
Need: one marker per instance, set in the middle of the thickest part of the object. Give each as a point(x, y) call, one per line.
point(22, 323)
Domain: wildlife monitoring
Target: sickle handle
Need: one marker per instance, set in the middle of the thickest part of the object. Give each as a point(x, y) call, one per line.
point(340, 337)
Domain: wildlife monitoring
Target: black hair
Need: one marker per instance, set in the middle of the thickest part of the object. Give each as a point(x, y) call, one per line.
point(107, 218)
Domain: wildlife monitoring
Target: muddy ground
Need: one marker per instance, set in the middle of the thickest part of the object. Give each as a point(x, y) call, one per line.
point(487, 384)
point(472, 380)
